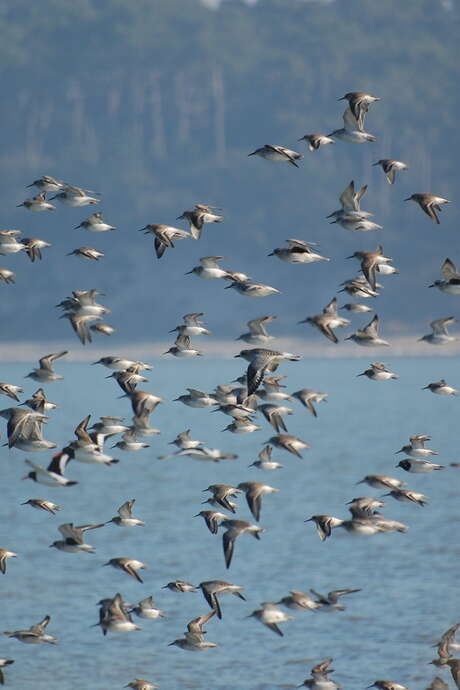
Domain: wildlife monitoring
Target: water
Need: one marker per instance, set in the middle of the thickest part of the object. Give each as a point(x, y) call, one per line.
point(408, 581)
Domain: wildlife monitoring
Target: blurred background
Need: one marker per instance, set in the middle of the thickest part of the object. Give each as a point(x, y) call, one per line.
point(156, 105)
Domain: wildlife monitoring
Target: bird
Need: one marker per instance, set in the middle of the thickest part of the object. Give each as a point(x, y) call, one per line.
point(24, 430)
point(287, 442)
point(270, 615)
point(298, 252)
point(35, 634)
point(315, 141)
point(352, 130)
point(387, 685)
point(265, 461)
point(182, 347)
point(38, 203)
point(75, 197)
point(261, 362)
point(450, 284)
point(130, 566)
point(7, 276)
point(257, 331)
point(249, 288)
point(53, 475)
point(329, 601)
point(209, 268)
point(359, 103)
point(440, 334)
point(221, 493)
point(212, 519)
point(382, 481)
point(327, 321)
point(145, 609)
point(33, 247)
point(236, 528)
point(369, 335)
point(114, 616)
point(299, 601)
point(308, 396)
point(370, 261)
point(39, 402)
point(201, 214)
point(45, 372)
point(41, 504)
point(324, 524)
point(212, 588)
point(10, 390)
point(141, 684)
point(441, 388)
point(180, 586)
point(378, 372)
point(416, 447)
point(254, 492)
point(122, 363)
point(3, 663)
point(87, 253)
point(194, 640)
point(429, 203)
point(418, 466)
point(271, 152)
point(390, 167)
point(74, 540)
point(4, 555)
point(125, 517)
point(47, 184)
point(406, 496)
point(95, 223)
point(164, 236)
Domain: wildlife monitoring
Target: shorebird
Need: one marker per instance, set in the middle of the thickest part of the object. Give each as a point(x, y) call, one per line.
point(406, 496)
point(33, 247)
point(329, 602)
point(39, 403)
point(450, 283)
point(257, 332)
point(41, 504)
point(387, 685)
point(53, 475)
point(130, 566)
point(298, 252)
point(141, 684)
point(359, 287)
point(429, 203)
point(9, 243)
point(209, 268)
point(121, 363)
point(221, 494)
point(125, 517)
point(47, 184)
point(196, 398)
point(270, 615)
point(10, 390)
point(324, 524)
point(24, 430)
point(180, 586)
point(261, 362)
point(164, 236)
point(95, 223)
point(265, 461)
point(418, 466)
point(38, 203)
point(307, 397)
point(75, 197)
point(35, 634)
point(200, 215)
point(441, 388)
point(254, 492)
point(350, 202)
point(248, 288)
point(299, 601)
point(272, 152)
point(351, 131)
point(370, 261)
point(7, 276)
point(382, 481)
point(3, 663)
point(274, 415)
point(369, 335)
point(454, 665)
point(102, 328)
point(74, 540)
point(114, 616)
point(45, 372)
point(359, 103)
point(87, 253)
point(390, 167)
point(272, 389)
point(212, 588)
point(440, 334)
point(328, 320)
point(4, 555)
point(194, 640)
point(146, 609)
point(416, 447)
point(236, 528)
point(182, 347)
point(378, 372)
point(314, 141)
point(445, 646)
point(356, 308)
point(212, 519)
point(287, 442)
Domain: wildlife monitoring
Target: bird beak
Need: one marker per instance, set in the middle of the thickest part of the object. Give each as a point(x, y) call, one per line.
point(271, 254)
point(408, 199)
point(236, 356)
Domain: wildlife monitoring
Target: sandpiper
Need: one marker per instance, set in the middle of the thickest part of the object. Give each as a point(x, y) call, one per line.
point(406, 496)
point(248, 288)
point(328, 320)
point(209, 268)
point(146, 609)
point(125, 517)
point(164, 236)
point(35, 634)
point(41, 504)
point(235, 528)
point(440, 334)
point(130, 566)
point(47, 184)
point(314, 141)
point(378, 372)
point(263, 361)
point(359, 103)
point(429, 203)
point(441, 388)
point(298, 252)
point(390, 167)
point(45, 372)
point(38, 203)
point(369, 335)
point(4, 555)
point(265, 461)
point(308, 396)
point(257, 331)
point(370, 260)
point(74, 541)
point(271, 152)
point(211, 588)
point(200, 215)
point(10, 390)
point(95, 223)
point(53, 475)
point(450, 283)
point(270, 615)
point(33, 247)
point(287, 442)
point(7, 276)
point(418, 466)
point(87, 253)
point(351, 131)
point(75, 197)
point(254, 492)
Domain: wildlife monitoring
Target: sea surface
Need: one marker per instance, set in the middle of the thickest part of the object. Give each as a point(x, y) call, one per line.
point(409, 582)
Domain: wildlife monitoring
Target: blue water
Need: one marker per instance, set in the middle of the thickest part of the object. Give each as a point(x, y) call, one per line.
point(409, 581)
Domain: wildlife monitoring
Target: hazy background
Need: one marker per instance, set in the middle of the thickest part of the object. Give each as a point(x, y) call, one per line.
point(156, 105)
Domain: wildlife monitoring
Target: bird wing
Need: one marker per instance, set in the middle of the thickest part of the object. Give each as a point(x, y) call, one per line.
point(449, 270)
point(124, 510)
point(350, 123)
point(47, 361)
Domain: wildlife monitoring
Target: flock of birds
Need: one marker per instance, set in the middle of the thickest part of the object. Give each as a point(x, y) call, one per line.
point(257, 390)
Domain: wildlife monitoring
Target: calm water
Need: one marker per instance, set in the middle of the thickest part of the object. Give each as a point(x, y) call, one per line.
point(409, 581)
